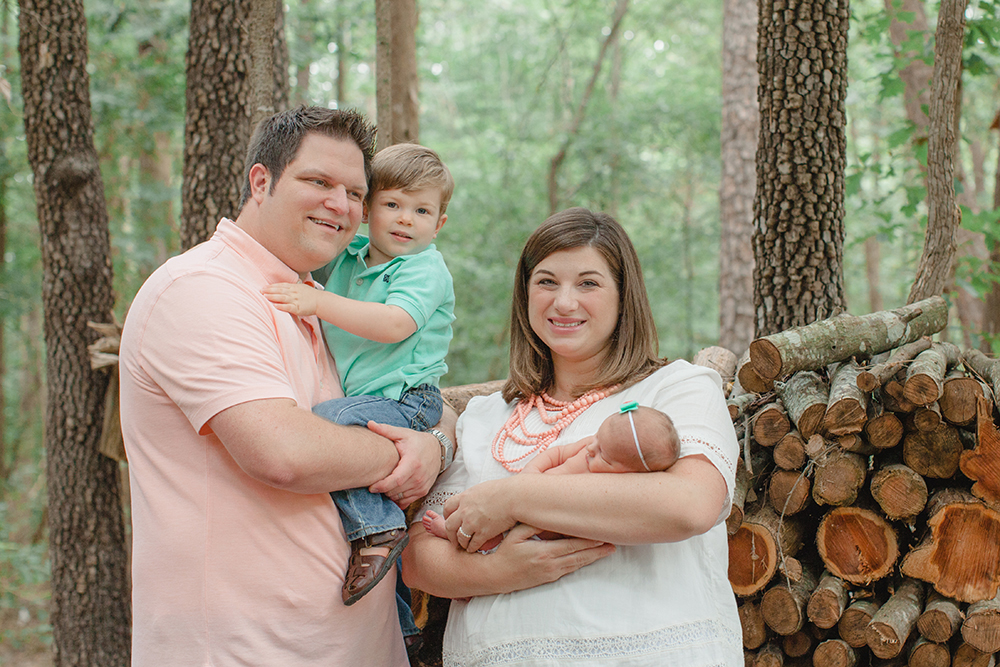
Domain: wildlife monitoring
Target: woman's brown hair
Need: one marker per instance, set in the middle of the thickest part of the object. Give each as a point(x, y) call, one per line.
point(634, 346)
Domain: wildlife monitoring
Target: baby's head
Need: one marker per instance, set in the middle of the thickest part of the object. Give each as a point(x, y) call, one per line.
point(617, 449)
point(406, 205)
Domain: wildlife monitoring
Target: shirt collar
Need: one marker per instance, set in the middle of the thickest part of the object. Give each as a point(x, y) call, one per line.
point(271, 268)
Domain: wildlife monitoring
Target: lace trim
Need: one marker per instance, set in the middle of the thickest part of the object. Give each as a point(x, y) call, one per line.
point(729, 463)
point(657, 642)
point(436, 499)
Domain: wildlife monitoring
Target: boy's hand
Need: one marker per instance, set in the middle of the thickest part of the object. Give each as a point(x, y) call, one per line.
point(417, 470)
point(296, 298)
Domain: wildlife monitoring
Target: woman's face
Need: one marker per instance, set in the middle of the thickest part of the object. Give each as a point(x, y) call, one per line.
point(573, 304)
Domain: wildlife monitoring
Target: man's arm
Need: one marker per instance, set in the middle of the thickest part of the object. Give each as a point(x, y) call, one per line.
point(378, 322)
point(282, 445)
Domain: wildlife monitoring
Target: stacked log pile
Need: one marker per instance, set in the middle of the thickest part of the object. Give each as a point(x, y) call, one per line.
point(866, 524)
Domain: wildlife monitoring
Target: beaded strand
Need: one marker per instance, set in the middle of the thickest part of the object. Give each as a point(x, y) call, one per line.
point(564, 413)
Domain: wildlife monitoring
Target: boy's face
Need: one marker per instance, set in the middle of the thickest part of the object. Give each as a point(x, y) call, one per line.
point(403, 223)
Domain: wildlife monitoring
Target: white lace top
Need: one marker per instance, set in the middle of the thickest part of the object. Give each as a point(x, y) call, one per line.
point(650, 605)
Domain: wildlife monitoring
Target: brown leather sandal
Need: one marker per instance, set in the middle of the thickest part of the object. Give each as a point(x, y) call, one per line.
point(366, 569)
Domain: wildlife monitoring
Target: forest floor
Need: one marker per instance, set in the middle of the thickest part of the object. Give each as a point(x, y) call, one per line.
point(25, 639)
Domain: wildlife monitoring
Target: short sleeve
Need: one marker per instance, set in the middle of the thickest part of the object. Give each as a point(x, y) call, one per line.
point(209, 345)
point(421, 285)
point(692, 397)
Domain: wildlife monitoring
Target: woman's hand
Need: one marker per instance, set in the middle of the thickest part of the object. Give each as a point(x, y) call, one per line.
point(479, 513)
point(418, 467)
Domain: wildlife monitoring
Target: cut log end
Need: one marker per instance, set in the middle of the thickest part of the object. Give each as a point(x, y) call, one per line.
point(857, 545)
point(766, 359)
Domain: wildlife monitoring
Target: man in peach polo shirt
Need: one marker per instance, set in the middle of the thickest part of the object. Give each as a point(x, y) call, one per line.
point(238, 552)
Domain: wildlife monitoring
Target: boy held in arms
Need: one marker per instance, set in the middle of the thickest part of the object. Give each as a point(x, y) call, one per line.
point(634, 439)
point(387, 312)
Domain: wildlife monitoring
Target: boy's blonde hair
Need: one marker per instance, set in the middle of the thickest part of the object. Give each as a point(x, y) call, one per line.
point(411, 167)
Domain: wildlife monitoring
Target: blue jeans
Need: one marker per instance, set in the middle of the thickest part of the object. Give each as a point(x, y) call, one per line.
point(362, 512)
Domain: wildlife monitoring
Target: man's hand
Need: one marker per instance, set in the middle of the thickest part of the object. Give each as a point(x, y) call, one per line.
point(296, 298)
point(418, 467)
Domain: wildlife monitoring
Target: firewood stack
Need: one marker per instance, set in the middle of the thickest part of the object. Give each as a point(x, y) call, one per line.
point(866, 524)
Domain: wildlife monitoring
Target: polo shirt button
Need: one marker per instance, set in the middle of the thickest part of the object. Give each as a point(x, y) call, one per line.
point(359, 282)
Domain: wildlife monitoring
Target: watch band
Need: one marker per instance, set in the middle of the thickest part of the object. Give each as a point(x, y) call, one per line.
point(447, 448)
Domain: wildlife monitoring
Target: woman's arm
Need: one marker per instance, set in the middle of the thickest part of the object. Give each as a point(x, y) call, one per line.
point(436, 567)
point(626, 508)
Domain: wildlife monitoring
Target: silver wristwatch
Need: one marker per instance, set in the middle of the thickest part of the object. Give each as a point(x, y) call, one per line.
point(447, 448)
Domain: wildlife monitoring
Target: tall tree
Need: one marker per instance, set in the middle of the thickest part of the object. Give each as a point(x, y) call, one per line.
point(90, 600)
point(397, 92)
point(799, 203)
point(943, 214)
point(218, 116)
point(740, 126)
point(991, 317)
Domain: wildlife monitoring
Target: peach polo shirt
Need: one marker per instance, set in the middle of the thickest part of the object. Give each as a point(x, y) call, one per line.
point(227, 570)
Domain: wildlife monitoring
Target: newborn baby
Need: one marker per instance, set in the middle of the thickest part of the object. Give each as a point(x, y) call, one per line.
point(635, 439)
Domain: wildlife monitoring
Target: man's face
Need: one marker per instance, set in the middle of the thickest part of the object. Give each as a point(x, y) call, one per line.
point(315, 207)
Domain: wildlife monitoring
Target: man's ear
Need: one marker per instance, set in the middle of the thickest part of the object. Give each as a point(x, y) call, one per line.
point(443, 219)
point(260, 182)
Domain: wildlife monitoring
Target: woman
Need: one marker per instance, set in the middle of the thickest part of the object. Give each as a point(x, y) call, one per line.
point(644, 582)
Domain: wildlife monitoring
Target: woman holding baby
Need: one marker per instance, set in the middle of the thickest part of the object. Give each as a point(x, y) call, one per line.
point(643, 580)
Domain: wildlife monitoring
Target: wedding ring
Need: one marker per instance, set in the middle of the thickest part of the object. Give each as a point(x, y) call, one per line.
point(464, 534)
point(399, 496)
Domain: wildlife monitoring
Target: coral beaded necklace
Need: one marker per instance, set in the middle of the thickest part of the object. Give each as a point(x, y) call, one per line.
point(563, 414)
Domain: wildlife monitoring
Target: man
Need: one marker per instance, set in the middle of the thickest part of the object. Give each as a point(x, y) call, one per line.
point(238, 552)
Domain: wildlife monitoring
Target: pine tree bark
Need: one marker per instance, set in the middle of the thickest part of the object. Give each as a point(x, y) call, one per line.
point(740, 127)
point(397, 94)
point(90, 599)
point(943, 215)
point(799, 203)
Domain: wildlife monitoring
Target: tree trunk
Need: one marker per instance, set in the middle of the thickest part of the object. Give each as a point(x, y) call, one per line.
point(799, 203)
point(943, 215)
point(740, 127)
point(90, 599)
point(991, 314)
point(397, 96)
point(261, 75)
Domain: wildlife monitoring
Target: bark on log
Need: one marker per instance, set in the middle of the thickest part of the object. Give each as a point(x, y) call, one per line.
point(790, 453)
point(895, 620)
point(788, 491)
point(899, 491)
point(925, 653)
point(747, 478)
point(459, 397)
point(875, 376)
point(758, 546)
point(988, 369)
point(981, 628)
point(804, 396)
point(857, 544)
point(835, 653)
point(854, 621)
point(925, 376)
point(719, 359)
point(770, 655)
point(942, 617)
point(969, 656)
point(822, 343)
point(847, 406)
point(770, 424)
point(933, 454)
point(838, 477)
point(982, 464)
point(960, 555)
point(828, 601)
point(784, 604)
point(739, 404)
point(752, 622)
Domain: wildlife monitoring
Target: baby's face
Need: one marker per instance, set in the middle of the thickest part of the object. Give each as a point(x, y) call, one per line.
point(611, 451)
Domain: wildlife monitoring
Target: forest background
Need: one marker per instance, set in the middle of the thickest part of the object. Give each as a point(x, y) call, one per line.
point(500, 82)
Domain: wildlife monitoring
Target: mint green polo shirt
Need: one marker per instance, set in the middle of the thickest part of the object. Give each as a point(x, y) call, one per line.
point(419, 284)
